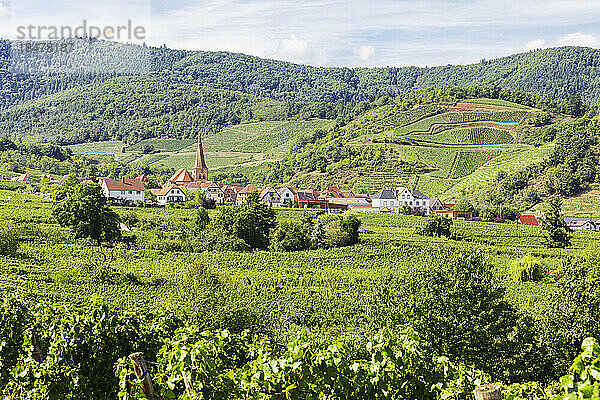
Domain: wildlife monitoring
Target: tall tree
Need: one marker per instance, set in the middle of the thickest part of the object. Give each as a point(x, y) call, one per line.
point(558, 234)
point(83, 208)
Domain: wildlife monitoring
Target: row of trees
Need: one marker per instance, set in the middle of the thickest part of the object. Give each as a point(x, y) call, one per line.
point(249, 226)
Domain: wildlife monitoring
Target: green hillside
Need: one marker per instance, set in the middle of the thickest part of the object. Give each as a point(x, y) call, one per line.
point(243, 144)
point(484, 150)
point(556, 73)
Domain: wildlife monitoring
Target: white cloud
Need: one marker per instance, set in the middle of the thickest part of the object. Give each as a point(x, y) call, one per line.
point(535, 44)
point(364, 52)
point(293, 47)
point(3, 10)
point(5, 26)
point(578, 39)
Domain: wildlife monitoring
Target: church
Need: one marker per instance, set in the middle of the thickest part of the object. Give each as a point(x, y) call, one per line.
point(198, 175)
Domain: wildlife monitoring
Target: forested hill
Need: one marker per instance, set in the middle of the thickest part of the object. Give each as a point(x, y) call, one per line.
point(555, 73)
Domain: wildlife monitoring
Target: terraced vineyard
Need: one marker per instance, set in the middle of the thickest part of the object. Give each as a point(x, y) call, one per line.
point(467, 161)
point(440, 122)
point(434, 135)
point(374, 181)
point(465, 136)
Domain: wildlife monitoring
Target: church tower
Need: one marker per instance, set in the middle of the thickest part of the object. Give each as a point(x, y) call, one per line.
point(200, 171)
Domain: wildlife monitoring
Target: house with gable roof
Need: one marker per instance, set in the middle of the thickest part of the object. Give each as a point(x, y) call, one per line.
point(123, 190)
point(385, 198)
point(169, 193)
point(414, 198)
point(286, 195)
point(245, 192)
point(270, 196)
point(210, 189)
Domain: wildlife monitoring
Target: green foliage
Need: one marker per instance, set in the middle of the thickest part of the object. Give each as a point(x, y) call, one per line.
point(250, 222)
point(457, 306)
point(202, 219)
point(437, 225)
point(83, 208)
point(289, 235)
point(584, 383)
point(71, 352)
point(9, 240)
point(574, 310)
point(575, 156)
point(195, 364)
point(341, 230)
point(527, 391)
point(526, 269)
point(284, 81)
point(553, 222)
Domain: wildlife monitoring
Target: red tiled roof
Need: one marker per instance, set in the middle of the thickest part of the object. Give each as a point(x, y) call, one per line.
point(181, 176)
point(528, 219)
point(248, 189)
point(123, 184)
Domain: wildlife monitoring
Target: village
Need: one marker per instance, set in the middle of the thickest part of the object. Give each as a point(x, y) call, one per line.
point(184, 185)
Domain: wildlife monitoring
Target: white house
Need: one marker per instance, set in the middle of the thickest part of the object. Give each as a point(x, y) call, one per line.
point(582, 225)
point(270, 196)
point(213, 191)
point(395, 199)
point(414, 198)
point(169, 193)
point(385, 198)
point(286, 195)
point(125, 190)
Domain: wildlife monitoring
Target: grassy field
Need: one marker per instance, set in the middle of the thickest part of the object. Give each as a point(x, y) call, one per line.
point(332, 283)
point(98, 147)
point(162, 145)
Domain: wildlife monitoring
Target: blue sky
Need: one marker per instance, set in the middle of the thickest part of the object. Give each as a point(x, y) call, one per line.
point(334, 32)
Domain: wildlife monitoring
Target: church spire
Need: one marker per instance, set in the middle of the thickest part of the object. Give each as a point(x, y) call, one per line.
point(200, 171)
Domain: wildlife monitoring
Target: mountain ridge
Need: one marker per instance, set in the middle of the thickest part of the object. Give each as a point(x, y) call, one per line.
point(557, 73)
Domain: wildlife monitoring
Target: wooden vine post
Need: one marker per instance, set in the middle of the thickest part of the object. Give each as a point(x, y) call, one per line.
point(491, 391)
point(37, 352)
point(141, 371)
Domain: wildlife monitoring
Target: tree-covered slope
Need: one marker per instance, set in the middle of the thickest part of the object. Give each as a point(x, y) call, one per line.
point(131, 109)
point(555, 73)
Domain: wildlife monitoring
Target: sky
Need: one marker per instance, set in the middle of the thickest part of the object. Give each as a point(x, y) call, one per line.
point(353, 33)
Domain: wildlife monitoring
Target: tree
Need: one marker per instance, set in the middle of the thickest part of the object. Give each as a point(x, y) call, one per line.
point(83, 208)
point(455, 302)
point(289, 236)
point(558, 234)
point(202, 219)
point(317, 236)
point(464, 205)
point(350, 225)
point(437, 225)
point(250, 222)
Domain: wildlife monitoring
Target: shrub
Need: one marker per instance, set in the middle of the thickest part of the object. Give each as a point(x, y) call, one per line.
point(436, 225)
point(289, 236)
point(526, 269)
point(456, 304)
point(9, 240)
